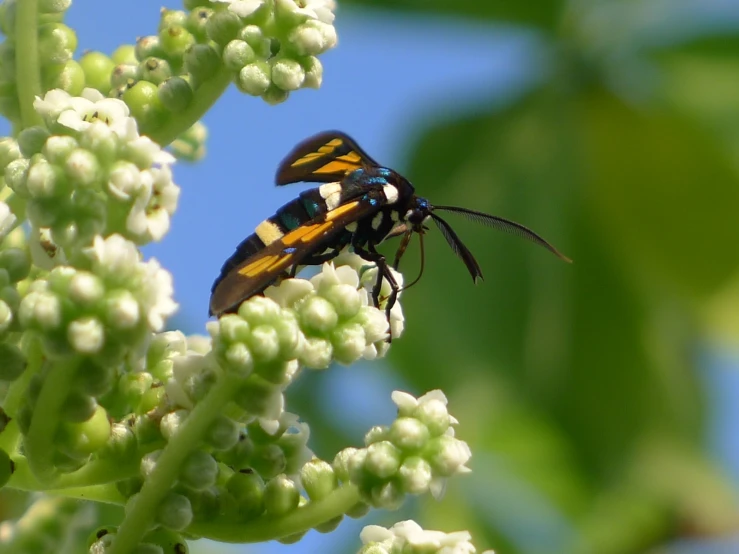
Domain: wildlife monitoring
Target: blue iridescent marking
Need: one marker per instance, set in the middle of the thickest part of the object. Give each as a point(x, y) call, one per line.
point(289, 250)
point(422, 203)
point(311, 207)
point(384, 171)
point(372, 201)
point(289, 221)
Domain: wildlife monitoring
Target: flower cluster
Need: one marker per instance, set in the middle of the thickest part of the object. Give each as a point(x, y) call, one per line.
point(271, 46)
point(414, 455)
point(407, 537)
point(104, 312)
point(92, 173)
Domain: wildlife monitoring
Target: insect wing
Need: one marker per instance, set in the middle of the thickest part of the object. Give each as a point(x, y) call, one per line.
point(323, 158)
point(256, 273)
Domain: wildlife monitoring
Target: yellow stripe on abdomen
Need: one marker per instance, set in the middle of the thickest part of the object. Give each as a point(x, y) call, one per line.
point(268, 232)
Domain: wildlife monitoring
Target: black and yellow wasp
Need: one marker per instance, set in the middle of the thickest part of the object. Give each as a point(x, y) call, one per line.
point(360, 205)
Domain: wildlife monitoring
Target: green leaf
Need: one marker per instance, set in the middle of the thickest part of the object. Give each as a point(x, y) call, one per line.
point(664, 194)
point(544, 14)
point(584, 354)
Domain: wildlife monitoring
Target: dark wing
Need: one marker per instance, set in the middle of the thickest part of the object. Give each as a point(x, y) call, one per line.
point(255, 273)
point(506, 226)
point(322, 158)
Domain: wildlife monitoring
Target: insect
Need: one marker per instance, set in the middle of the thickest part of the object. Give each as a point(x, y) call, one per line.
point(360, 204)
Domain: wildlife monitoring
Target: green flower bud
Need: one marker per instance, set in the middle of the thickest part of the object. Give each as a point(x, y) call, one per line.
point(143, 101)
point(16, 175)
point(408, 434)
point(239, 358)
point(16, 262)
point(281, 496)
point(32, 139)
point(383, 459)
point(254, 37)
point(82, 168)
point(247, 488)
point(317, 353)
point(415, 475)
point(313, 72)
point(78, 407)
point(57, 149)
point(223, 26)
point(269, 460)
point(154, 70)
point(275, 95)
point(146, 47)
point(342, 463)
point(237, 54)
point(349, 343)
point(94, 379)
point(318, 315)
point(318, 479)
point(79, 440)
point(448, 455)
point(57, 43)
point(69, 77)
point(9, 151)
point(202, 62)
point(223, 433)
point(172, 422)
point(44, 180)
point(97, 68)
point(13, 362)
point(126, 53)
point(175, 41)
point(264, 343)
point(258, 396)
point(170, 542)
point(125, 75)
point(330, 525)
point(359, 510)
point(175, 512)
point(175, 94)
point(190, 145)
point(388, 496)
point(86, 335)
point(197, 22)
point(287, 74)
point(53, 6)
point(199, 471)
point(172, 18)
point(376, 434)
point(434, 415)
point(254, 78)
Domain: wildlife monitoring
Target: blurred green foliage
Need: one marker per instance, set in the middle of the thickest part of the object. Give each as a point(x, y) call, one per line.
point(578, 385)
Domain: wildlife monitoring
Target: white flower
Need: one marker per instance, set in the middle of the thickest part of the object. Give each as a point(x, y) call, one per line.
point(409, 537)
point(322, 10)
point(7, 220)
point(79, 112)
point(242, 8)
point(117, 261)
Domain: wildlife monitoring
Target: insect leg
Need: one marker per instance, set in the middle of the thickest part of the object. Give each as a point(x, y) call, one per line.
point(383, 269)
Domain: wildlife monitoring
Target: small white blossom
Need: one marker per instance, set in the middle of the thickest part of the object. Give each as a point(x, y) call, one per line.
point(242, 8)
point(409, 537)
point(322, 10)
point(79, 112)
point(7, 220)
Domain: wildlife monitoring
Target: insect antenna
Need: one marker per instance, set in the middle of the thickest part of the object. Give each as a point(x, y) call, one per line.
point(505, 225)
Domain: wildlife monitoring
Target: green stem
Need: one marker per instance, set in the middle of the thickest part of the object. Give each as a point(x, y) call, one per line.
point(210, 91)
point(268, 528)
point(96, 473)
point(39, 442)
point(28, 71)
point(31, 347)
point(142, 513)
